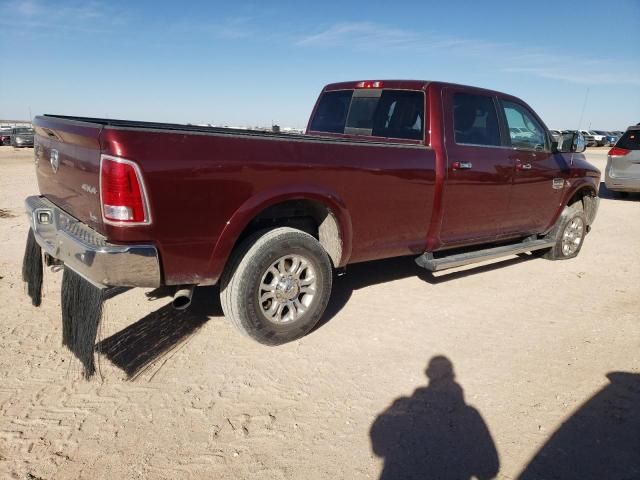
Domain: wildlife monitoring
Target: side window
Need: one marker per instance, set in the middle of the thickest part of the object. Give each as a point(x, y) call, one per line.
point(475, 120)
point(530, 135)
point(331, 113)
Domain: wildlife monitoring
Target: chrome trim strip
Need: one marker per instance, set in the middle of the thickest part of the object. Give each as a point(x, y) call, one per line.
point(88, 253)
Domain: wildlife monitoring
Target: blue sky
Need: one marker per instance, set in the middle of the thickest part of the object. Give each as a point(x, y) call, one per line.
point(240, 63)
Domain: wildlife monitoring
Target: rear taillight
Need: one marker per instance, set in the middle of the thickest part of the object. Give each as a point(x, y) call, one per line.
point(122, 192)
point(618, 152)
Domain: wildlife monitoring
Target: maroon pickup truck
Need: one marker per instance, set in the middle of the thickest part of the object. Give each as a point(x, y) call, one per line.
point(448, 173)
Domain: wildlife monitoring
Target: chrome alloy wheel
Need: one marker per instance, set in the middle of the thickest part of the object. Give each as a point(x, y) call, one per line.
point(572, 236)
point(287, 289)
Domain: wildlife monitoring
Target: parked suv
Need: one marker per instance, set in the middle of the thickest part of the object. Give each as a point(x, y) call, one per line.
point(599, 137)
point(623, 163)
point(22, 137)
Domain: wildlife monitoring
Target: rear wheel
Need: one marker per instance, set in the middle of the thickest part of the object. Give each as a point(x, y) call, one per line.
point(569, 234)
point(276, 285)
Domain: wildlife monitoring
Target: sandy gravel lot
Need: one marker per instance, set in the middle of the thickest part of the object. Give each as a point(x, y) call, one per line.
point(531, 343)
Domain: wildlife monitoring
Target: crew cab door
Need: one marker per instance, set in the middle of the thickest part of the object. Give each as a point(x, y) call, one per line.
point(479, 169)
point(538, 178)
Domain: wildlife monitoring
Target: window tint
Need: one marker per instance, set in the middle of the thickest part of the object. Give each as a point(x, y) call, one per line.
point(475, 120)
point(531, 135)
point(630, 140)
point(331, 113)
point(400, 114)
point(386, 113)
point(390, 114)
point(361, 112)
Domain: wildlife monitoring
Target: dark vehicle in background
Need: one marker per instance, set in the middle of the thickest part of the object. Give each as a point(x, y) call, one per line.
point(22, 137)
point(623, 163)
point(5, 136)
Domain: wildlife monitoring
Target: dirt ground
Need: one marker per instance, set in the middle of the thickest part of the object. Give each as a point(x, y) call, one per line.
point(530, 342)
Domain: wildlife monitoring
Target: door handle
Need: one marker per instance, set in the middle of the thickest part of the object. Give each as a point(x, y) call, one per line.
point(523, 166)
point(462, 165)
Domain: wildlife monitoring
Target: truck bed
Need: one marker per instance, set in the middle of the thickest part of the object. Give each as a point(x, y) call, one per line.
point(177, 127)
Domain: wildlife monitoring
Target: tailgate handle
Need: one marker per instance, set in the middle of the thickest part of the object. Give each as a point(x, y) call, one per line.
point(462, 165)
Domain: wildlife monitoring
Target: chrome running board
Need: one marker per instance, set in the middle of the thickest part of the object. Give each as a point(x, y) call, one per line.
point(427, 260)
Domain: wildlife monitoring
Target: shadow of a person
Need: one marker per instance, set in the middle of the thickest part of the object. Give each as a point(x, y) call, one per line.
point(434, 434)
point(600, 440)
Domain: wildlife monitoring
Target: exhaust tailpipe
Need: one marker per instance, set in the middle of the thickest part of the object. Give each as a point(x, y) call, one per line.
point(182, 297)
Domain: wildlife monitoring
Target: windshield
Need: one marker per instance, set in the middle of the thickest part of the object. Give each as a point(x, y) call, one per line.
point(23, 130)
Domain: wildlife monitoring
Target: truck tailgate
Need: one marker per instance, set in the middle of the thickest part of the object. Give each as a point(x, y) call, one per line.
point(67, 156)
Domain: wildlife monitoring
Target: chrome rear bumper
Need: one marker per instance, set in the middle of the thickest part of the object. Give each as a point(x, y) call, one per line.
point(622, 184)
point(87, 252)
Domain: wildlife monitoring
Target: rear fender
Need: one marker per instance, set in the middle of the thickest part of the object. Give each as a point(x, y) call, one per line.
point(258, 203)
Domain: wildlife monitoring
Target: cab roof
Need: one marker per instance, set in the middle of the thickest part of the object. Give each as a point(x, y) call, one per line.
point(403, 85)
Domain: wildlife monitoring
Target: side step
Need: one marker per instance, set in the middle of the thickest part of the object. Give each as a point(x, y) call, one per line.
point(427, 261)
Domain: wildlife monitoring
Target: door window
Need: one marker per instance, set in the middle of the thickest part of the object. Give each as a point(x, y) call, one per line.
point(525, 131)
point(475, 120)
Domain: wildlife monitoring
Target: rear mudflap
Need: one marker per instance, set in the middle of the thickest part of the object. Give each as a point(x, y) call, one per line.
point(32, 269)
point(81, 301)
point(82, 304)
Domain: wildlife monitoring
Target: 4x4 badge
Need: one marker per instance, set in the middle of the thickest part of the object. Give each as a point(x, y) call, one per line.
point(53, 159)
point(558, 183)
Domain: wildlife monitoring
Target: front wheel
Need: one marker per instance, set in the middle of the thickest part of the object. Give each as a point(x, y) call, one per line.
point(570, 233)
point(276, 285)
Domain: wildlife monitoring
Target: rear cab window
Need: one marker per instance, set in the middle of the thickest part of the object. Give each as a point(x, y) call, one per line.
point(387, 113)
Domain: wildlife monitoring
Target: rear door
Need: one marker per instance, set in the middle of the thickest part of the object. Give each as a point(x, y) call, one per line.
point(479, 169)
point(538, 174)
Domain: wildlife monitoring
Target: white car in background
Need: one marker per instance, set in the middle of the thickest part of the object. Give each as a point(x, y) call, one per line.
point(623, 163)
point(598, 138)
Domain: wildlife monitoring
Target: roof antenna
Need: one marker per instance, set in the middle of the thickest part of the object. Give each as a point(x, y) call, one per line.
point(584, 105)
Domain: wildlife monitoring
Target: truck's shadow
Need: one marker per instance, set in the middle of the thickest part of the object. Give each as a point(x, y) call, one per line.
point(159, 333)
point(607, 194)
point(156, 335)
point(362, 275)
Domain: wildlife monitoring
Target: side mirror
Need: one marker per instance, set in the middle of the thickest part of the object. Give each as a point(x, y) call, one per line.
point(570, 143)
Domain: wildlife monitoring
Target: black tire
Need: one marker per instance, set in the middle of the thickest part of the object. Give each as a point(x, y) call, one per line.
point(240, 285)
point(572, 218)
